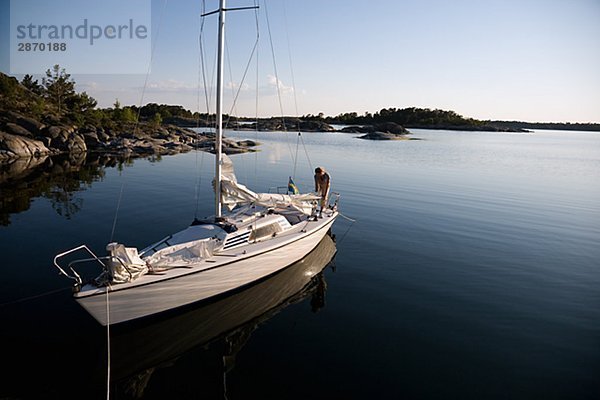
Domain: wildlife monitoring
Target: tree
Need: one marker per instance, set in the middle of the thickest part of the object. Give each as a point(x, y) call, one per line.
point(8, 86)
point(123, 114)
point(157, 120)
point(58, 85)
point(80, 107)
point(81, 103)
point(128, 115)
point(32, 85)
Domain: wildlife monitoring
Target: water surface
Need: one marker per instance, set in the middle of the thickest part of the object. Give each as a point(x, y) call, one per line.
point(471, 271)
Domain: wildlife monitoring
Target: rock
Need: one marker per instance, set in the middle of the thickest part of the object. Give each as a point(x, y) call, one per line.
point(383, 136)
point(247, 143)
point(358, 129)
point(52, 119)
point(19, 146)
point(102, 136)
point(390, 127)
point(315, 126)
point(44, 139)
point(91, 140)
point(52, 132)
point(64, 139)
point(76, 144)
point(15, 129)
point(13, 116)
point(31, 124)
point(384, 127)
point(87, 128)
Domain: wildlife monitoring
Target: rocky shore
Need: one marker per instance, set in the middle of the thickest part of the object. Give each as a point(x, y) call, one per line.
point(23, 136)
point(51, 119)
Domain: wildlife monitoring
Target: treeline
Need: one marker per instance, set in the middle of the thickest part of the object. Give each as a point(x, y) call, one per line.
point(55, 99)
point(440, 119)
point(559, 126)
point(410, 118)
point(416, 118)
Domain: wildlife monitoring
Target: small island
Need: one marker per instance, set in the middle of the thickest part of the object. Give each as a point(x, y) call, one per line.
point(381, 131)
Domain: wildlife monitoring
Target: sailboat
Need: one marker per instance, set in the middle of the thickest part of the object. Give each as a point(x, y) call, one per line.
point(251, 237)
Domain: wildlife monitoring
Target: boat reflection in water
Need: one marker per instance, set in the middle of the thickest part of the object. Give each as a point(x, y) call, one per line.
point(221, 327)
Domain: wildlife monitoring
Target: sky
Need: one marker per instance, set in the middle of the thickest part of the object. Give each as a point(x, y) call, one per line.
point(527, 60)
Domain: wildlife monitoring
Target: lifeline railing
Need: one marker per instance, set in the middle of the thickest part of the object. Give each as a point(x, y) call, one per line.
point(76, 277)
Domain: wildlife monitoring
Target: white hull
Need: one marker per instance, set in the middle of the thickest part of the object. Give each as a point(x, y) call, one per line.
point(221, 274)
point(168, 338)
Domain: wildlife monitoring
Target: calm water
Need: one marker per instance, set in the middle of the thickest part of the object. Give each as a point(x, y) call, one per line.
point(472, 272)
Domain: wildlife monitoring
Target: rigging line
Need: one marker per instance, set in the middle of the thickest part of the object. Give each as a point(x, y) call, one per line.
point(237, 94)
point(231, 83)
point(287, 36)
point(202, 64)
point(277, 82)
point(149, 65)
point(296, 158)
point(112, 232)
point(199, 184)
point(239, 89)
point(207, 94)
point(24, 299)
point(139, 111)
point(234, 93)
point(201, 76)
point(256, 20)
point(289, 48)
point(310, 164)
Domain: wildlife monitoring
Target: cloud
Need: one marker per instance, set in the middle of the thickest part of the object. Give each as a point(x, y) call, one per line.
point(86, 86)
point(274, 82)
point(171, 85)
point(232, 85)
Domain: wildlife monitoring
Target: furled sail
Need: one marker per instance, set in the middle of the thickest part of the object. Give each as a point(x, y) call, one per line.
point(235, 194)
point(125, 263)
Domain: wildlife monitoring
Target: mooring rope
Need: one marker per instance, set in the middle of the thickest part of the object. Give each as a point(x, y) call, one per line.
point(107, 344)
point(352, 221)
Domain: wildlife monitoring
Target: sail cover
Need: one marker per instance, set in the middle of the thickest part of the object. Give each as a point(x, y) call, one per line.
point(235, 194)
point(125, 263)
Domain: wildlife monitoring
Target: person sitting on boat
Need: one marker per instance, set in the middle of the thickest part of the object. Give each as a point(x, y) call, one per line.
point(322, 184)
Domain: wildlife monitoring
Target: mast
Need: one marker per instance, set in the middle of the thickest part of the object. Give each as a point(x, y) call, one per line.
point(219, 133)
